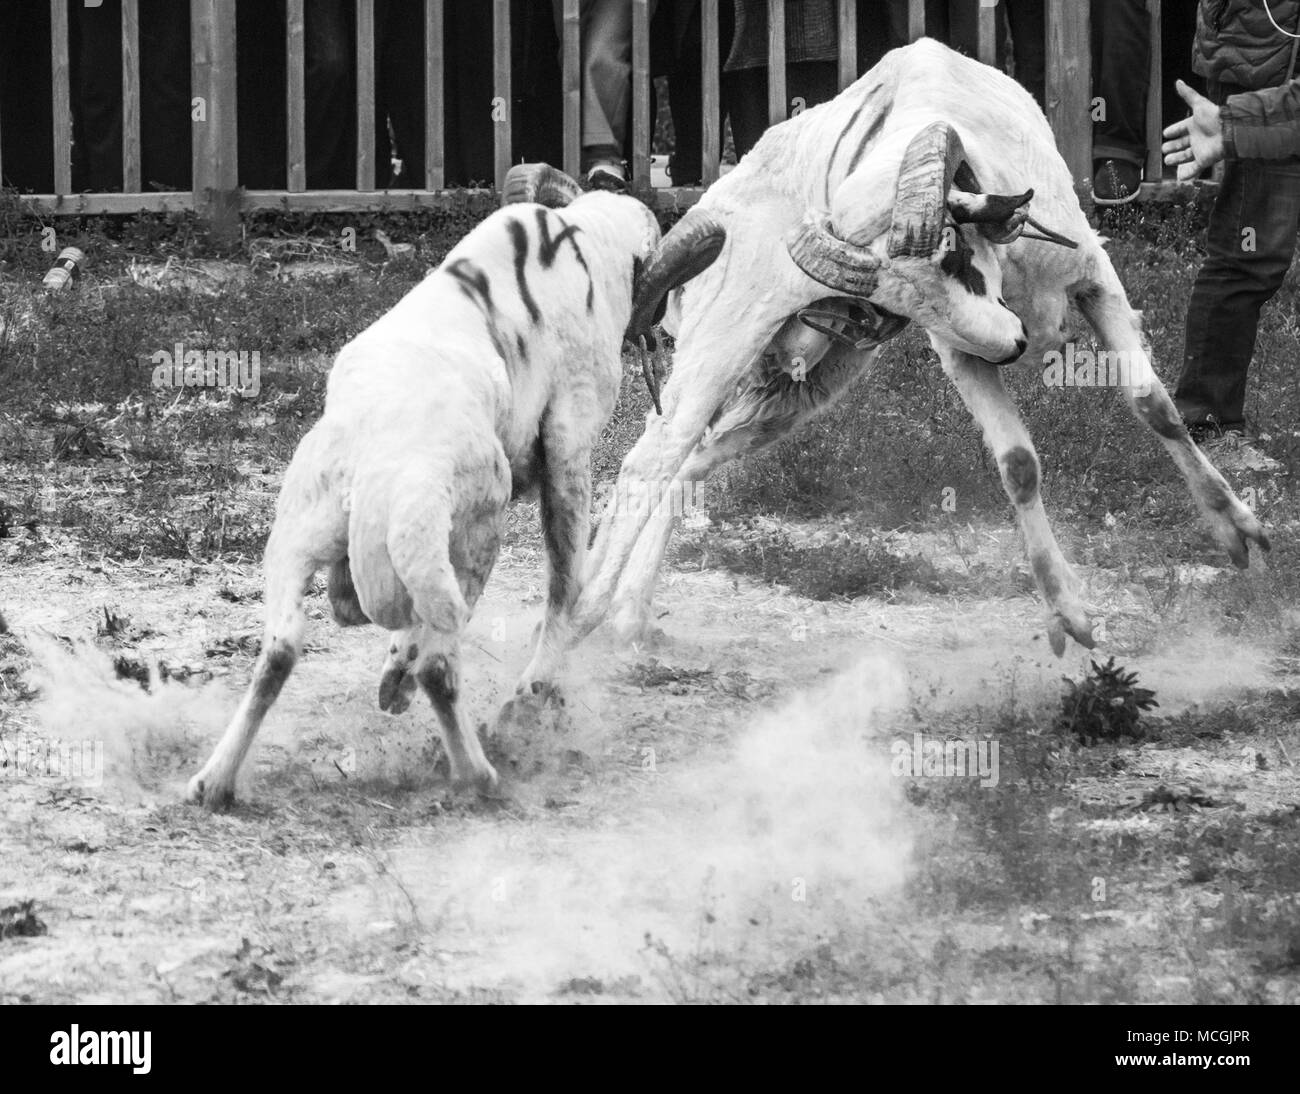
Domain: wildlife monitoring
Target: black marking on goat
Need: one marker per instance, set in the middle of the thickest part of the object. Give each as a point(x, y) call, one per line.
point(527, 468)
point(1160, 416)
point(548, 247)
point(519, 236)
point(1020, 472)
point(964, 179)
point(957, 263)
point(877, 124)
point(473, 282)
point(835, 149)
point(521, 347)
point(1041, 564)
point(343, 595)
point(438, 679)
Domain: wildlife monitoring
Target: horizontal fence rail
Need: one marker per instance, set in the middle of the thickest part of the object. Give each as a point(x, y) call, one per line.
point(217, 194)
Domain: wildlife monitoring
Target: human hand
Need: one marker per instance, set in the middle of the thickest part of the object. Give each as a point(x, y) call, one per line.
point(1194, 143)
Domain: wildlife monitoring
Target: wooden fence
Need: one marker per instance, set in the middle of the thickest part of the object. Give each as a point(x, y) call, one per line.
point(217, 195)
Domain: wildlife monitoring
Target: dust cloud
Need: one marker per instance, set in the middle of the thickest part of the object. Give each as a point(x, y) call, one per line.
point(781, 839)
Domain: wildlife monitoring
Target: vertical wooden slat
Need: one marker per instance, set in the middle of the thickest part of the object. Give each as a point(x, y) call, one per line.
point(777, 108)
point(435, 74)
point(571, 62)
point(62, 97)
point(131, 170)
point(366, 96)
point(1155, 103)
point(712, 130)
point(988, 32)
point(296, 43)
point(915, 20)
point(641, 95)
point(215, 117)
point(848, 42)
point(1069, 86)
point(502, 91)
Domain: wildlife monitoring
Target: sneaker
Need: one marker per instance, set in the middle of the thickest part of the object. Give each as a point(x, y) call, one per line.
point(1231, 450)
point(607, 176)
point(1116, 182)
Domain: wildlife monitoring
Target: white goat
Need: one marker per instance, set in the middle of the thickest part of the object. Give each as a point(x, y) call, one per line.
point(887, 197)
point(495, 374)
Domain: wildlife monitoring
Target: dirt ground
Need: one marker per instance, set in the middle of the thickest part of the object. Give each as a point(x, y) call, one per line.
point(713, 818)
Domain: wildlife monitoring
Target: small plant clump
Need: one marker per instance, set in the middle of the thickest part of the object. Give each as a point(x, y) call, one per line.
point(1106, 706)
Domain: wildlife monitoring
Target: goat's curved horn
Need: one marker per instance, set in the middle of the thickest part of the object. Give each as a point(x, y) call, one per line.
point(539, 182)
point(830, 261)
point(688, 249)
point(921, 194)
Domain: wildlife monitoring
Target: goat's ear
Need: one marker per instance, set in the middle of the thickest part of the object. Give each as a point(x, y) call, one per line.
point(969, 208)
point(1000, 218)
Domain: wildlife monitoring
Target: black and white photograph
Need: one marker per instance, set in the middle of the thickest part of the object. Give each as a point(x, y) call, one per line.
point(650, 502)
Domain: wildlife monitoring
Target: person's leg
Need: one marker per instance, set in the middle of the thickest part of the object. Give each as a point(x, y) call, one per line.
point(261, 94)
point(400, 79)
point(1121, 54)
point(744, 95)
point(331, 96)
point(1028, 22)
point(25, 68)
point(97, 150)
point(1251, 239)
point(165, 133)
point(874, 35)
point(685, 91)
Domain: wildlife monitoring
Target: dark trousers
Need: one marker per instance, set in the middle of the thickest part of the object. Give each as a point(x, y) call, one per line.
point(96, 50)
point(26, 113)
point(1235, 282)
point(744, 94)
point(1121, 53)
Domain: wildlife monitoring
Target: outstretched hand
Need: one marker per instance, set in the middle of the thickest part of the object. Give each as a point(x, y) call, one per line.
point(1195, 143)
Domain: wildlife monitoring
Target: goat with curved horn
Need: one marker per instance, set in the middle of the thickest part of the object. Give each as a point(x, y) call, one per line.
point(776, 335)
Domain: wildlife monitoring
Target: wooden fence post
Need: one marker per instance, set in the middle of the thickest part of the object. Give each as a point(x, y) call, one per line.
point(214, 117)
point(1069, 87)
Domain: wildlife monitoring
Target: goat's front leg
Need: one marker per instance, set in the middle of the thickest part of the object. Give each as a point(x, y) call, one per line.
point(723, 346)
point(759, 415)
point(1105, 306)
point(981, 389)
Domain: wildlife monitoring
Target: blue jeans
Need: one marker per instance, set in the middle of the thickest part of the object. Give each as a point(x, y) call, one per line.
point(1234, 283)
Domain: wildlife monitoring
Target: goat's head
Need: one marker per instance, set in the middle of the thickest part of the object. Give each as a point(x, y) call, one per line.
point(658, 265)
point(936, 264)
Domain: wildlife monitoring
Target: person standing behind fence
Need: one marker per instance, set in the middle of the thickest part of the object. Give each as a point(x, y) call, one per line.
point(1240, 48)
point(811, 64)
point(606, 67)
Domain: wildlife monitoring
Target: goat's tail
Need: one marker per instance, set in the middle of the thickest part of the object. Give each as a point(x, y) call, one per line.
point(399, 534)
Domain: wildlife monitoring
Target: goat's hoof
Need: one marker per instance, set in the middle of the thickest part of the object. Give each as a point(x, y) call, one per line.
point(396, 687)
point(482, 780)
point(215, 795)
point(632, 624)
point(1080, 629)
point(523, 712)
point(1237, 529)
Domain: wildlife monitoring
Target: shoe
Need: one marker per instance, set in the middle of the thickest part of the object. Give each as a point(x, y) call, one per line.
point(1230, 449)
point(607, 176)
point(1116, 182)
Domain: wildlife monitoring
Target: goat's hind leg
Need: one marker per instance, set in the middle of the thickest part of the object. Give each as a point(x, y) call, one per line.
point(1107, 309)
point(290, 565)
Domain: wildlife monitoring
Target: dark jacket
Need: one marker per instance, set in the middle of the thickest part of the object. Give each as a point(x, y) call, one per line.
point(1237, 43)
point(811, 33)
point(1262, 124)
